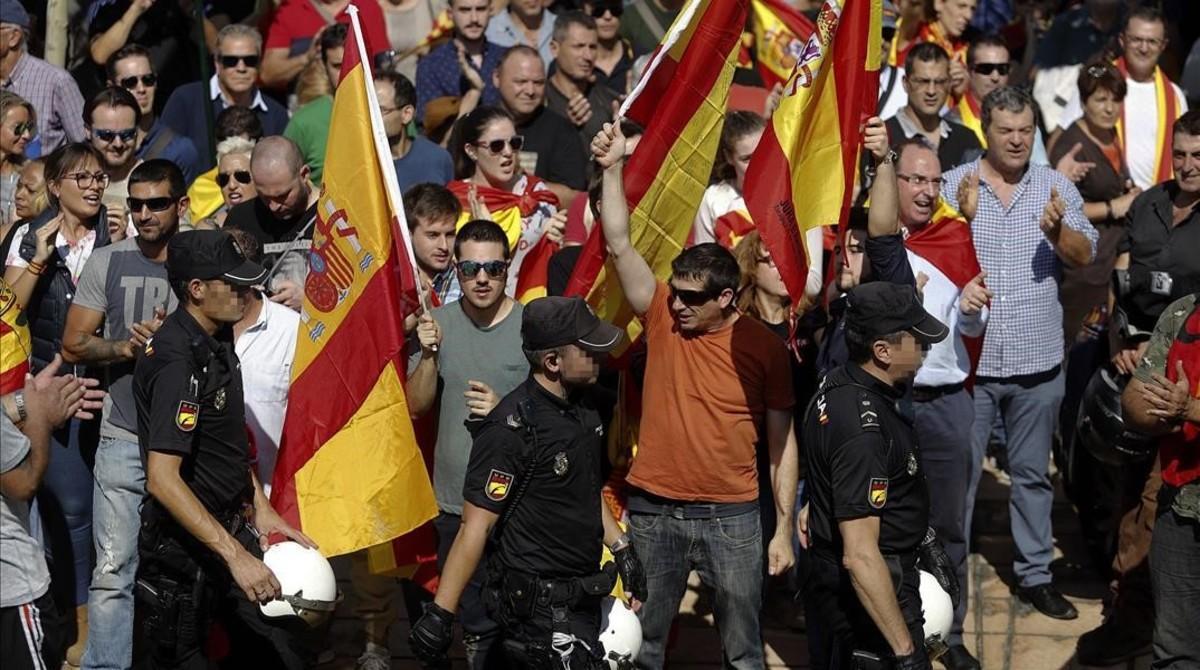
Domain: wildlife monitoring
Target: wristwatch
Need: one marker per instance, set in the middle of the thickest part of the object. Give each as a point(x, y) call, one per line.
point(889, 158)
point(19, 402)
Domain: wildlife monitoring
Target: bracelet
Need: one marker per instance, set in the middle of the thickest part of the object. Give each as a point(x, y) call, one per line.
point(35, 268)
point(621, 543)
point(19, 401)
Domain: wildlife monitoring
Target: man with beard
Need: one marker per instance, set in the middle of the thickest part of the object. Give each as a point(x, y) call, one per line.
point(112, 118)
point(462, 66)
point(123, 289)
point(130, 69)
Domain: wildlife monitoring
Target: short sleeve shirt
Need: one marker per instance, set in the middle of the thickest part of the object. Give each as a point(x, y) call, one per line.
point(23, 574)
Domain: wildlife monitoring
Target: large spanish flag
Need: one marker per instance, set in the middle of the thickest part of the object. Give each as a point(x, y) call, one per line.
point(780, 33)
point(349, 472)
point(802, 173)
point(14, 342)
point(680, 101)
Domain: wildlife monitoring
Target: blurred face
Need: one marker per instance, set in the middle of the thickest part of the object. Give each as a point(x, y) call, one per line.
point(1185, 158)
point(499, 168)
point(16, 130)
point(240, 185)
point(1102, 109)
point(333, 64)
point(607, 16)
point(135, 75)
point(576, 366)
point(237, 64)
point(482, 289)
point(990, 70)
point(114, 135)
point(919, 180)
point(155, 213)
point(695, 309)
point(927, 85)
point(522, 84)
point(850, 259)
point(526, 8)
point(433, 244)
point(902, 358)
point(954, 15)
point(1010, 138)
point(219, 300)
point(576, 54)
point(80, 189)
point(470, 18)
point(743, 149)
point(30, 185)
point(395, 119)
point(284, 194)
point(1143, 42)
point(766, 275)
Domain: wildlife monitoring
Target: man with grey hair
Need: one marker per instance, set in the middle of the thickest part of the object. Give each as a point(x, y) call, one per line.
point(236, 60)
point(49, 88)
point(1026, 222)
point(573, 91)
point(282, 217)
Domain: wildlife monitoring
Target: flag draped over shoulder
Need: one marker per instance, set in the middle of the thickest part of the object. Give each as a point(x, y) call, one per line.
point(780, 33)
point(1167, 106)
point(680, 101)
point(14, 342)
point(802, 173)
point(349, 473)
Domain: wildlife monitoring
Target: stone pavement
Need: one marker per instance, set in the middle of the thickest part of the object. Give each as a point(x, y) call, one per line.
point(1001, 631)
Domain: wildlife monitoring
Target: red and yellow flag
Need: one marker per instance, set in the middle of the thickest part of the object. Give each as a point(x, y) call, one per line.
point(780, 33)
point(680, 101)
point(802, 174)
point(14, 342)
point(1168, 107)
point(971, 115)
point(349, 472)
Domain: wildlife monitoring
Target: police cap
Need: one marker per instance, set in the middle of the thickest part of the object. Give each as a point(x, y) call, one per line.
point(557, 321)
point(880, 308)
point(211, 254)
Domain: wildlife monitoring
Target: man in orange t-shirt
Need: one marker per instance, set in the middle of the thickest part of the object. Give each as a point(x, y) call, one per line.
point(716, 385)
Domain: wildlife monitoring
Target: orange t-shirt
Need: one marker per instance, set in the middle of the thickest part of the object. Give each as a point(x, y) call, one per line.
point(704, 407)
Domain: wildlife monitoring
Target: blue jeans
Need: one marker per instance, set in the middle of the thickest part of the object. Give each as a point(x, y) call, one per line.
point(116, 517)
point(1175, 582)
point(727, 552)
point(65, 506)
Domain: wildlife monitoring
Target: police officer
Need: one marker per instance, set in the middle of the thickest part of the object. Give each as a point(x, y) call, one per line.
point(533, 484)
point(206, 520)
point(868, 505)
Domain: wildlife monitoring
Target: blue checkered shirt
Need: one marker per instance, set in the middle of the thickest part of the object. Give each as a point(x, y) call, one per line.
point(1024, 333)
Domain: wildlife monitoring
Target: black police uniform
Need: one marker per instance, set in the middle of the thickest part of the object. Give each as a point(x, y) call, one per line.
point(537, 462)
point(862, 461)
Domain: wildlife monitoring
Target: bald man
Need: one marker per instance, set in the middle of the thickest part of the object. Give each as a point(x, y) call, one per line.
point(282, 217)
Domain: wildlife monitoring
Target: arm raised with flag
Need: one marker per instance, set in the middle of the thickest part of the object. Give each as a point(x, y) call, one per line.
point(636, 277)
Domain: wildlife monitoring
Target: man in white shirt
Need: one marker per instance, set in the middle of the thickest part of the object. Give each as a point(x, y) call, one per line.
point(905, 214)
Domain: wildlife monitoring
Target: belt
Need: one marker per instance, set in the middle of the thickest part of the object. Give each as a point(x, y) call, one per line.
point(560, 591)
point(931, 393)
point(648, 503)
point(1024, 381)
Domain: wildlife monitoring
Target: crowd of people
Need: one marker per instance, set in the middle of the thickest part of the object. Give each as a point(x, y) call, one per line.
point(1014, 294)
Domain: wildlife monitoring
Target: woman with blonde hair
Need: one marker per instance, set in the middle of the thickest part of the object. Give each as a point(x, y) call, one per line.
point(29, 200)
point(18, 127)
point(233, 177)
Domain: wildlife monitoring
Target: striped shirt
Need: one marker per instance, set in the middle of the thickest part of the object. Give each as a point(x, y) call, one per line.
point(56, 98)
point(1024, 334)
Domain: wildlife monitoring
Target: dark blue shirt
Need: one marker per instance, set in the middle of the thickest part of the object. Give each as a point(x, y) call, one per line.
point(177, 149)
point(184, 114)
point(424, 162)
point(438, 75)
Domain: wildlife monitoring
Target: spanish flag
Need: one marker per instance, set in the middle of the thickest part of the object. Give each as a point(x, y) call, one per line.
point(802, 173)
point(349, 472)
point(780, 33)
point(680, 101)
point(14, 342)
point(970, 114)
point(1168, 106)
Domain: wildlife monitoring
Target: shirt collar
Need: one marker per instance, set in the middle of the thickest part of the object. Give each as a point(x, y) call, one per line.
point(263, 315)
point(861, 376)
point(910, 127)
point(197, 335)
point(214, 93)
point(536, 389)
point(17, 69)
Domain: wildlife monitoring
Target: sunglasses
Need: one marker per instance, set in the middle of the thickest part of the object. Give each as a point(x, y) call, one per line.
point(232, 61)
point(616, 9)
point(494, 269)
point(148, 80)
point(497, 146)
point(690, 297)
point(986, 69)
point(243, 177)
point(126, 135)
point(155, 204)
point(25, 127)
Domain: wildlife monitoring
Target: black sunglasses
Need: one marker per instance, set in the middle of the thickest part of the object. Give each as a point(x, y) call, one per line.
point(232, 61)
point(494, 269)
point(155, 204)
point(148, 80)
point(496, 146)
point(126, 135)
point(243, 177)
point(690, 297)
point(616, 8)
point(986, 69)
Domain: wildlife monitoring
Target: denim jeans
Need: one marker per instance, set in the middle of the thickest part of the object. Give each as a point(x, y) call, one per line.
point(65, 506)
point(1175, 580)
point(116, 504)
point(727, 552)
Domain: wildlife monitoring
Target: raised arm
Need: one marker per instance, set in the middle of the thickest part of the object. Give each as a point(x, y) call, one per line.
point(883, 217)
point(636, 277)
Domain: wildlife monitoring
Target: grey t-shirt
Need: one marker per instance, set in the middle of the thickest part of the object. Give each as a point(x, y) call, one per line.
point(467, 352)
point(125, 286)
point(23, 574)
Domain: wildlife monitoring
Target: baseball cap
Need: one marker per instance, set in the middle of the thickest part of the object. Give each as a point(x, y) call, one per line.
point(879, 308)
point(556, 321)
point(12, 11)
point(211, 254)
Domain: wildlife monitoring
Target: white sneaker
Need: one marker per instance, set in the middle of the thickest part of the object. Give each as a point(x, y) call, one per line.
point(376, 657)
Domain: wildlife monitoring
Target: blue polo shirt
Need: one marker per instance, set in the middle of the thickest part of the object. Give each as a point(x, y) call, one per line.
point(184, 114)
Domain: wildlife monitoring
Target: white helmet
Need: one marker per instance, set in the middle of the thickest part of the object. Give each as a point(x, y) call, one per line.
point(306, 580)
point(938, 610)
point(620, 633)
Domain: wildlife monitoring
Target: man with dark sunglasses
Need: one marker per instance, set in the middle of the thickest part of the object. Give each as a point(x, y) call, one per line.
point(719, 385)
point(112, 117)
point(124, 290)
point(130, 68)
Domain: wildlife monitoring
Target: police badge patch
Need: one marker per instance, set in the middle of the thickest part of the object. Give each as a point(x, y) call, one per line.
point(187, 416)
point(497, 485)
point(877, 492)
point(560, 463)
point(219, 401)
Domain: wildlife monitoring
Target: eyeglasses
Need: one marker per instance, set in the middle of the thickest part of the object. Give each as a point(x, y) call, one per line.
point(155, 204)
point(921, 181)
point(497, 146)
point(615, 8)
point(690, 297)
point(1152, 42)
point(243, 177)
point(88, 179)
point(126, 135)
point(494, 269)
point(987, 69)
point(251, 61)
point(923, 82)
point(148, 80)
point(25, 127)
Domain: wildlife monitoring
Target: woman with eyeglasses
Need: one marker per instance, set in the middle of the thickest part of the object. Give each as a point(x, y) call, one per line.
point(490, 184)
point(44, 263)
point(233, 176)
point(18, 125)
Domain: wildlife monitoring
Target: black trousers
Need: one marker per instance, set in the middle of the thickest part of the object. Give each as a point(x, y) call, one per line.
point(540, 628)
point(31, 635)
